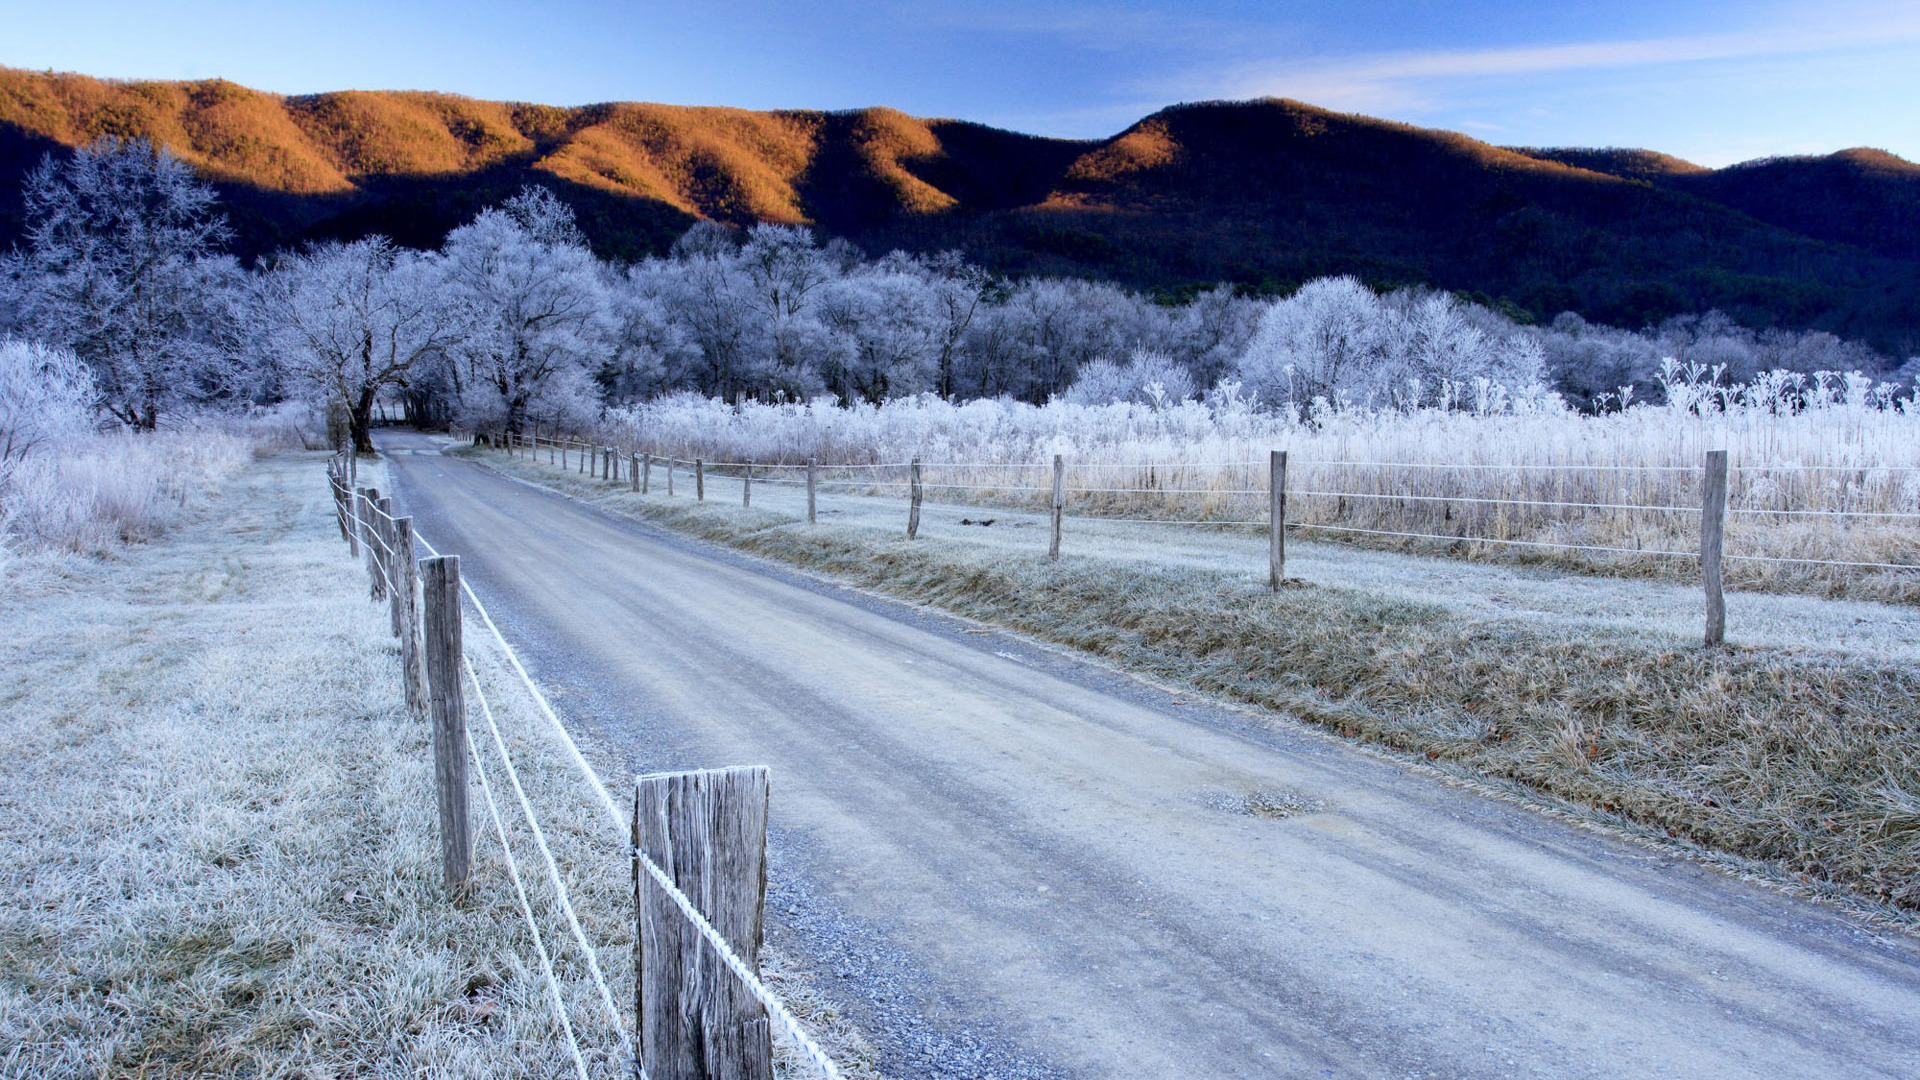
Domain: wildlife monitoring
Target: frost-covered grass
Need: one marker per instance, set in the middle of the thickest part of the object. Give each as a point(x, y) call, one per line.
point(218, 842)
point(1795, 763)
point(1838, 446)
point(219, 845)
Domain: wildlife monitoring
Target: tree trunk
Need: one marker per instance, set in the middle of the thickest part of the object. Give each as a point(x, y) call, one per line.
point(360, 422)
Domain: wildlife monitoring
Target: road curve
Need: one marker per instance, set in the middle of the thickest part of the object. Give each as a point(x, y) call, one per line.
point(1022, 865)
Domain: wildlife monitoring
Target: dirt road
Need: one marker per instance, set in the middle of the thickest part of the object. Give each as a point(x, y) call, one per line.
point(1009, 863)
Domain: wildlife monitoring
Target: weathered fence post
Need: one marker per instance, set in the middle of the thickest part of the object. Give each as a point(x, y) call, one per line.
point(583, 458)
point(746, 486)
point(337, 479)
point(1713, 531)
point(633, 471)
point(646, 472)
point(353, 514)
point(406, 594)
point(707, 833)
point(368, 498)
point(383, 528)
point(1276, 518)
point(1059, 503)
point(447, 696)
point(671, 462)
point(699, 479)
point(811, 470)
point(913, 495)
point(563, 452)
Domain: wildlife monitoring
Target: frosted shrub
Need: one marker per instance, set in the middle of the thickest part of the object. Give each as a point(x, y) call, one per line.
point(86, 496)
point(46, 395)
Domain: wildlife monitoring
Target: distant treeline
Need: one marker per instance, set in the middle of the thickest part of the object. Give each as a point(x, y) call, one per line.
point(515, 321)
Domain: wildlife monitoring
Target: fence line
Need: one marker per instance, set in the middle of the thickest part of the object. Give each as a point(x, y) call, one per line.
point(362, 523)
point(526, 911)
point(1536, 512)
point(553, 867)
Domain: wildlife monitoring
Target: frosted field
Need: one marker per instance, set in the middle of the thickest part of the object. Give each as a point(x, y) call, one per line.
point(1481, 591)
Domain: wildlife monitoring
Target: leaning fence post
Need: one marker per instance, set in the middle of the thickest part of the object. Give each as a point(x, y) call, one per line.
point(440, 581)
point(811, 470)
point(913, 508)
point(706, 832)
point(699, 480)
point(406, 594)
point(1059, 503)
point(1713, 531)
point(746, 486)
point(1276, 518)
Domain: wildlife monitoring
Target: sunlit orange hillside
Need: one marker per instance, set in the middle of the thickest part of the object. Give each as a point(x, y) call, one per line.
point(1263, 193)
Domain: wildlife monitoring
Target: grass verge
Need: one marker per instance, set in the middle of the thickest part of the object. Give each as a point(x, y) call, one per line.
point(218, 842)
point(1804, 768)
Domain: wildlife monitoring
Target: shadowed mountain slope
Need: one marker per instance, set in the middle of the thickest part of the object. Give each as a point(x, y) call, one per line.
point(1262, 193)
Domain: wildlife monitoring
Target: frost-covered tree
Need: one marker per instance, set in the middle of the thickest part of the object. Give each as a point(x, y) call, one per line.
point(706, 290)
point(890, 330)
point(46, 394)
point(1326, 341)
point(1147, 378)
point(122, 267)
point(785, 269)
point(542, 318)
point(349, 321)
point(1336, 341)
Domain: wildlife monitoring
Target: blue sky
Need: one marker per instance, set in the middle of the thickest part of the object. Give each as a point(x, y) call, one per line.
point(1715, 82)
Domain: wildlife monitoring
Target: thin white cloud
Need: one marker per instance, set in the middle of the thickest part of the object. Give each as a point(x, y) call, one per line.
point(1411, 79)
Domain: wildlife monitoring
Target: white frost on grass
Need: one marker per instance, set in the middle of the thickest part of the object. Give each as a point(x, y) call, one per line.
point(218, 843)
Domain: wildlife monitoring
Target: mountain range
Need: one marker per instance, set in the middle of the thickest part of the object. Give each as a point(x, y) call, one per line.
point(1263, 194)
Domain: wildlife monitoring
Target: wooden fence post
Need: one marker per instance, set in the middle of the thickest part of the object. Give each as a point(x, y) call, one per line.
point(583, 458)
point(447, 696)
point(811, 470)
point(699, 480)
point(633, 471)
point(671, 462)
point(337, 479)
point(1713, 531)
point(561, 443)
point(353, 522)
point(707, 832)
point(913, 508)
point(551, 444)
point(1059, 503)
point(1276, 518)
point(646, 472)
point(368, 497)
point(383, 528)
point(407, 598)
point(746, 486)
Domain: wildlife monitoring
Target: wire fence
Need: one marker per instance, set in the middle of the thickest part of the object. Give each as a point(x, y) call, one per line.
point(366, 520)
point(1612, 516)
